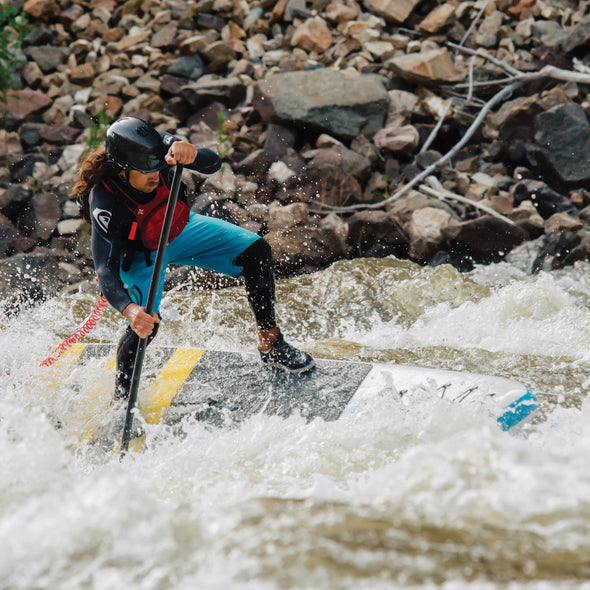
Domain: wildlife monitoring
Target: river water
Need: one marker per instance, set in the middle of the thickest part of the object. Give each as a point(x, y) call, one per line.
point(427, 496)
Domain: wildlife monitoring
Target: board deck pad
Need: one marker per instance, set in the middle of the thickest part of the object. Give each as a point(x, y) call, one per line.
point(220, 387)
point(238, 382)
point(237, 385)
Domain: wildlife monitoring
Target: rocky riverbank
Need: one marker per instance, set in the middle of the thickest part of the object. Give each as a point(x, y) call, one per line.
point(443, 132)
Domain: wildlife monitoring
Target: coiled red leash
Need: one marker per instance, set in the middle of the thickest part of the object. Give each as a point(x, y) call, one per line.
point(82, 331)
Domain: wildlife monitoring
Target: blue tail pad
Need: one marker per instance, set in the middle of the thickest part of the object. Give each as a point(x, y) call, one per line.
point(518, 411)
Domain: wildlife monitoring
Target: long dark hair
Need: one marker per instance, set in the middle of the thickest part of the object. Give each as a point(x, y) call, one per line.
point(93, 169)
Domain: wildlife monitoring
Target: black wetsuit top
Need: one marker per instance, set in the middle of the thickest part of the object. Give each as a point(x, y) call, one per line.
point(111, 223)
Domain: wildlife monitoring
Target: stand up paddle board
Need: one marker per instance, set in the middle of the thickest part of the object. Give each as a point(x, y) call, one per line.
point(215, 386)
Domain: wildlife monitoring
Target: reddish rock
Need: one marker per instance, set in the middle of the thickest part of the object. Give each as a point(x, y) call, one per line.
point(22, 104)
point(59, 134)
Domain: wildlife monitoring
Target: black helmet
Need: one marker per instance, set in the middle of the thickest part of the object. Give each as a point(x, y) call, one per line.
point(133, 144)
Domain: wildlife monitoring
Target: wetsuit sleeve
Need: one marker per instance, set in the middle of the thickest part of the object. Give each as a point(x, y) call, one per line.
point(206, 162)
point(106, 243)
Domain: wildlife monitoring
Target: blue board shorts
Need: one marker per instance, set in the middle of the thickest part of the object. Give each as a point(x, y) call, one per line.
point(205, 242)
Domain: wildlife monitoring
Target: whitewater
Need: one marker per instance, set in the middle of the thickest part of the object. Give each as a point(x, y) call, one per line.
point(422, 495)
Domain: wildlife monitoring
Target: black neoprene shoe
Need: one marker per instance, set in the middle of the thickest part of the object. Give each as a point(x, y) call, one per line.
point(284, 356)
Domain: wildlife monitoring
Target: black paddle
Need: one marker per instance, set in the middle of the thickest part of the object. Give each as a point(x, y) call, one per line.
point(149, 308)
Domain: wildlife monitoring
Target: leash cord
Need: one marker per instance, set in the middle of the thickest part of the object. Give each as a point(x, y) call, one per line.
point(88, 324)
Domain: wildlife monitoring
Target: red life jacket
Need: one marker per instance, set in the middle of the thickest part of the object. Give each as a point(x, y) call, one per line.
point(149, 217)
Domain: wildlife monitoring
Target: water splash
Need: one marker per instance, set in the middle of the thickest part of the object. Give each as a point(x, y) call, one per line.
point(426, 495)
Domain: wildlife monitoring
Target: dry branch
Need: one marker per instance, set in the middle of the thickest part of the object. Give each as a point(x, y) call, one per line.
point(440, 192)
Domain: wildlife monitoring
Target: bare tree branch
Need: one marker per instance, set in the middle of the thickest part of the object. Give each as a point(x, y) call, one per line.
point(437, 127)
point(498, 97)
point(485, 55)
point(516, 80)
point(474, 23)
point(441, 193)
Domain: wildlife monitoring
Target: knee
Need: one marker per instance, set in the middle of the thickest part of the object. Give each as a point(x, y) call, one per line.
point(258, 253)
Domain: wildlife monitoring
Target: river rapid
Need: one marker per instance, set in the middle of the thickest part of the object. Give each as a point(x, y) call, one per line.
point(426, 495)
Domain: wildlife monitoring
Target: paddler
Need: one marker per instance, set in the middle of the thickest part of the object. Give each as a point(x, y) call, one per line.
point(123, 189)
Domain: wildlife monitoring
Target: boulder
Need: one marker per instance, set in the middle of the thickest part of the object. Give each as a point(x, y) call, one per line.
point(403, 208)
point(562, 139)
point(47, 57)
point(299, 248)
point(229, 91)
point(70, 15)
point(396, 11)
point(558, 247)
point(43, 10)
point(546, 201)
point(515, 119)
point(438, 18)
point(578, 37)
point(340, 12)
point(190, 67)
point(41, 218)
point(312, 35)
point(82, 75)
point(485, 236)
point(488, 30)
point(218, 55)
point(563, 222)
point(325, 100)
point(279, 139)
point(59, 134)
point(397, 140)
point(434, 66)
point(281, 218)
point(23, 104)
point(426, 232)
point(337, 174)
point(165, 38)
point(376, 233)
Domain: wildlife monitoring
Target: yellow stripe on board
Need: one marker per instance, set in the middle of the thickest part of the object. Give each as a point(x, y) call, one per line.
point(97, 402)
point(71, 355)
point(170, 379)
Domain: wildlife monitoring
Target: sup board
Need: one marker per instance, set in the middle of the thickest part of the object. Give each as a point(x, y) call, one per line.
point(217, 386)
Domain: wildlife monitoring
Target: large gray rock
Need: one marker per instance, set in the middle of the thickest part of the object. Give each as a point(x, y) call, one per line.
point(326, 100)
point(562, 137)
point(41, 217)
point(486, 235)
point(578, 38)
point(546, 201)
point(515, 119)
point(47, 57)
point(229, 91)
point(337, 175)
point(305, 248)
point(376, 233)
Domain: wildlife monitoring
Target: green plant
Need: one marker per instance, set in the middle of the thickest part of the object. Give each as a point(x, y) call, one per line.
point(13, 30)
point(97, 130)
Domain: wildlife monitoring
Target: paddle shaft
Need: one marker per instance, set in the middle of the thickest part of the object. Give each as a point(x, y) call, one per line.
point(149, 308)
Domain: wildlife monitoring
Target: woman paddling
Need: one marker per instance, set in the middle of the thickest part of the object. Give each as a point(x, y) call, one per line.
point(123, 189)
